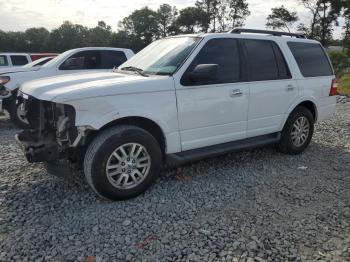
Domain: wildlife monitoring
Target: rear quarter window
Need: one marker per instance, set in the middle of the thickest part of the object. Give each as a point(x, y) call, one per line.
point(311, 59)
point(3, 60)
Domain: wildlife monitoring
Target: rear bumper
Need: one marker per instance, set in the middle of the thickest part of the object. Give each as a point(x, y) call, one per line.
point(326, 108)
point(37, 149)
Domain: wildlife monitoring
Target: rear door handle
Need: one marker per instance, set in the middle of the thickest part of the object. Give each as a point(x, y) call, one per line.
point(236, 92)
point(290, 87)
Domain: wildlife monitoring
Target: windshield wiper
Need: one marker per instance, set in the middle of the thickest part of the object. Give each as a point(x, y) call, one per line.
point(135, 69)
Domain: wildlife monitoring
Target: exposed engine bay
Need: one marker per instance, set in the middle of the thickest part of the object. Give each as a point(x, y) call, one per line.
point(52, 134)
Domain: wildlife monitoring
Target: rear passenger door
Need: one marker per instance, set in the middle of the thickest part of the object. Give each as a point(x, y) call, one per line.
point(272, 89)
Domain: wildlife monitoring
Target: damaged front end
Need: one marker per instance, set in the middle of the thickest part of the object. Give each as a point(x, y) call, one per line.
point(52, 135)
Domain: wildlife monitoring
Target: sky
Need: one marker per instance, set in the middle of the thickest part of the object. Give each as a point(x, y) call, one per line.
point(18, 15)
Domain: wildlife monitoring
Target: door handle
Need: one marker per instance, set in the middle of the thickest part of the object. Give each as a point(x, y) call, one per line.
point(236, 92)
point(290, 87)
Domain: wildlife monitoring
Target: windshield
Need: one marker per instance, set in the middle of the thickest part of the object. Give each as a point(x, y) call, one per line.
point(162, 57)
point(38, 62)
point(57, 58)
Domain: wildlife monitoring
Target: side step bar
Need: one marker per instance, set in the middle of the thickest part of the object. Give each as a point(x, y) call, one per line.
point(216, 150)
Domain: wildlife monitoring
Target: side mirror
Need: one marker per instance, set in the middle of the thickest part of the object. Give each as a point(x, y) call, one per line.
point(205, 73)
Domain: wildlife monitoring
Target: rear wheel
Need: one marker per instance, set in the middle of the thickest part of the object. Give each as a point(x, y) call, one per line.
point(122, 162)
point(297, 132)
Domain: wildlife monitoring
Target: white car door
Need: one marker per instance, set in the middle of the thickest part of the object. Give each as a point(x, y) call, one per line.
point(211, 111)
point(272, 88)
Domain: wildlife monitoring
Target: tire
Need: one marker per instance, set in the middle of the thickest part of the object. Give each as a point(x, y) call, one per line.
point(124, 185)
point(289, 143)
point(14, 115)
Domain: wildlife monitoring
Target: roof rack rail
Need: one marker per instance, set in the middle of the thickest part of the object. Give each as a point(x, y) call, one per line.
point(267, 32)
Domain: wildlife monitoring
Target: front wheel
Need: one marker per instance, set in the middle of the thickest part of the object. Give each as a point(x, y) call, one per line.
point(122, 162)
point(17, 114)
point(297, 132)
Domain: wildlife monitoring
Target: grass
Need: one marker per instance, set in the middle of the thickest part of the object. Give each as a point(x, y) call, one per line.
point(344, 85)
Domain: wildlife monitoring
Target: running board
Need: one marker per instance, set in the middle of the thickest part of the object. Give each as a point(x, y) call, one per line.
point(216, 150)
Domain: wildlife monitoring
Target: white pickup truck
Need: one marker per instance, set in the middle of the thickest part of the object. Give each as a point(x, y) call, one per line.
point(89, 59)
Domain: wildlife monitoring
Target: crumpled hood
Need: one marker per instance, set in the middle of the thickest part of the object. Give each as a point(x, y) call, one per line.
point(83, 85)
point(11, 70)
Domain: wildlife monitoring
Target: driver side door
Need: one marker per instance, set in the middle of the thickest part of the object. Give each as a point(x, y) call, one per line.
point(213, 112)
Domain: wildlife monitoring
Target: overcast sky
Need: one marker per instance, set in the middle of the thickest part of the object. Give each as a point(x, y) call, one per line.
point(22, 14)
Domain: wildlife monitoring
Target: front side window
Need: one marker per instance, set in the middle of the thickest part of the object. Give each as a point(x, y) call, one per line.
point(265, 60)
point(311, 59)
point(84, 60)
point(111, 59)
point(224, 53)
point(3, 60)
point(162, 57)
point(19, 60)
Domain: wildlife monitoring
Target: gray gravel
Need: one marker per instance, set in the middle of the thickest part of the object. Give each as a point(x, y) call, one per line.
point(257, 205)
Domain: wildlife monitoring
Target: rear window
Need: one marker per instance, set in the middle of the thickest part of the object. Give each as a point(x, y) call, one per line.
point(112, 59)
point(3, 60)
point(266, 62)
point(311, 58)
point(19, 60)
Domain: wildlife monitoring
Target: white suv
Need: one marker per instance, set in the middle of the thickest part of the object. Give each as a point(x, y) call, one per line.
point(180, 99)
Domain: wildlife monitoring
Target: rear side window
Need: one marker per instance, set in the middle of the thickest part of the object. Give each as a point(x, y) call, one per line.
point(3, 60)
point(311, 59)
point(222, 51)
point(19, 60)
point(266, 62)
point(112, 59)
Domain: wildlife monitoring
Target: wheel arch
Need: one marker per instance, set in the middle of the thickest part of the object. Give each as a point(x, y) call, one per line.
point(310, 106)
point(142, 122)
point(308, 103)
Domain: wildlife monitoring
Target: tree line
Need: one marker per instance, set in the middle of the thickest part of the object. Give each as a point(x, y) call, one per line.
point(145, 25)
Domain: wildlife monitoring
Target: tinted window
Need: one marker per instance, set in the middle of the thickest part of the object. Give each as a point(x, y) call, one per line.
point(3, 60)
point(19, 60)
point(311, 59)
point(112, 59)
point(224, 53)
point(263, 62)
point(84, 60)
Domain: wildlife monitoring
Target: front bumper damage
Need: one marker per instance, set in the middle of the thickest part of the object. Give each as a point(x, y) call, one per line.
point(5, 95)
point(53, 135)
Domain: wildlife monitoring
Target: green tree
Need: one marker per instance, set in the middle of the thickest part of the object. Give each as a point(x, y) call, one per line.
point(142, 23)
point(124, 40)
point(209, 10)
point(68, 36)
point(191, 20)
point(99, 35)
point(36, 39)
point(340, 62)
point(325, 14)
point(166, 18)
point(281, 18)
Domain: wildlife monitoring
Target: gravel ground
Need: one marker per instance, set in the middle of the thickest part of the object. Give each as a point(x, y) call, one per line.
point(256, 205)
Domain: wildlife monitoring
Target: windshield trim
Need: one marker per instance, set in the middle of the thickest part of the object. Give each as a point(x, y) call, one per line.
point(200, 39)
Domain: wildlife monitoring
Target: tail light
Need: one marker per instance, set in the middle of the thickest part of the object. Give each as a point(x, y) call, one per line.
point(334, 87)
